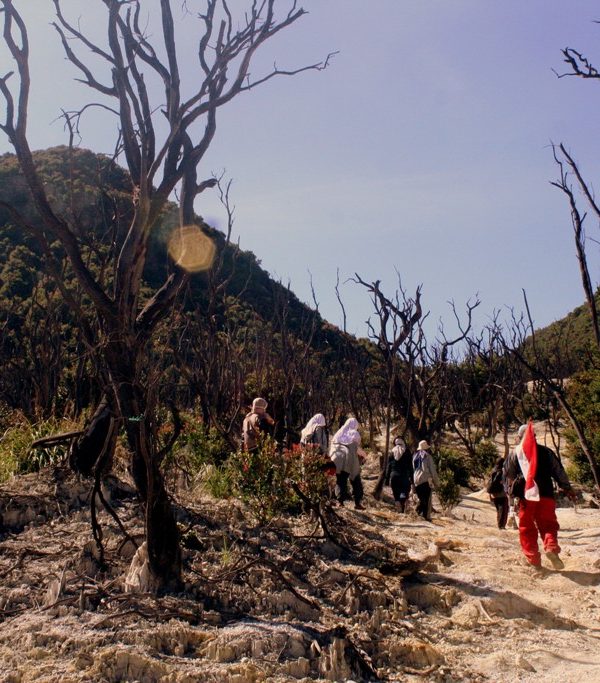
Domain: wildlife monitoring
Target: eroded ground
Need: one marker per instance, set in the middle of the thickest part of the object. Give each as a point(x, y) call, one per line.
point(385, 597)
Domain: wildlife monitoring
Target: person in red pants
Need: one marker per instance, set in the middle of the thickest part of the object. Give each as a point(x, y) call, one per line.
point(530, 471)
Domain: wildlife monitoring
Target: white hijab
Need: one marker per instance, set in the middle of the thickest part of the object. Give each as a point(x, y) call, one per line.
point(348, 433)
point(399, 448)
point(315, 421)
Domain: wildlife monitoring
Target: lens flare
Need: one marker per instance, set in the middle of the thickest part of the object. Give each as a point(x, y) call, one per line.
point(191, 249)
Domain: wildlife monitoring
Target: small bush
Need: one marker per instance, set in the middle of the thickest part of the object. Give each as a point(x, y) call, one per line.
point(448, 491)
point(583, 393)
point(310, 476)
point(219, 481)
point(579, 469)
point(15, 445)
point(485, 456)
point(452, 460)
point(197, 446)
point(261, 479)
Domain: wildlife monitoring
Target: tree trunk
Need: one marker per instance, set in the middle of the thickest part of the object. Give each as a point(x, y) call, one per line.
point(162, 533)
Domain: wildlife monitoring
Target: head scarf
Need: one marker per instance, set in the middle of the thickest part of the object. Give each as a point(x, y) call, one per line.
point(348, 433)
point(399, 448)
point(315, 421)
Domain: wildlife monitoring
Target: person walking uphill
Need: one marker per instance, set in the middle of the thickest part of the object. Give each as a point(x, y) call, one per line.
point(399, 474)
point(315, 434)
point(530, 471)
point(347, 456)
point(425, 475)
point(256, 422)
point(497, 493)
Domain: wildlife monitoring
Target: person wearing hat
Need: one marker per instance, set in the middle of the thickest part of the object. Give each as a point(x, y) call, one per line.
point(256, 422)
point(399, 473)
point(424, 477)
point(531, 469)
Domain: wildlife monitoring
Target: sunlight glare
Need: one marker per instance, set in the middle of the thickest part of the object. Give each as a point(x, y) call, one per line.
point(191, 249)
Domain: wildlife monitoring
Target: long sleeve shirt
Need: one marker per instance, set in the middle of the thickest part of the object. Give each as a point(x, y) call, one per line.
point(424, 469)
point(549, 469)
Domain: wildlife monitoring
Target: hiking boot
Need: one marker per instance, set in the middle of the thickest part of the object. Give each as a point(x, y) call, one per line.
point(359, 506)
point(531, 565)
point(555, 560)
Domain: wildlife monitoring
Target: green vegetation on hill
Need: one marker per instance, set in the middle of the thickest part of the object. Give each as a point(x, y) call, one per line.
point(235, 333)
point(569, 343)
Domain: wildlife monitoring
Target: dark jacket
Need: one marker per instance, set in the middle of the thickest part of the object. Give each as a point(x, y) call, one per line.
point(549, 469)
point(402, 468)
point(496, 486)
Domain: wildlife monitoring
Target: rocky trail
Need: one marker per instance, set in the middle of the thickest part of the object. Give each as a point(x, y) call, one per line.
point(384, 596)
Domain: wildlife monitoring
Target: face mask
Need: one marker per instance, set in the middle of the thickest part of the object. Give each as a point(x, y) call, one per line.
point(397, 456)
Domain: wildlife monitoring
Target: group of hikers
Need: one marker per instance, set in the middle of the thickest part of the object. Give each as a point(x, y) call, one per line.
point(522, 484)
point(344, 457)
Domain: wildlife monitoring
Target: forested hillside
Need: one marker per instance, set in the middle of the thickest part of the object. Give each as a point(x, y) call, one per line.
point(569, 341)
point(236, 333)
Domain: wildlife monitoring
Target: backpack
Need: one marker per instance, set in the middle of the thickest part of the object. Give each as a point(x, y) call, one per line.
point(495, 484)
point(517, 486)
point(418, 460)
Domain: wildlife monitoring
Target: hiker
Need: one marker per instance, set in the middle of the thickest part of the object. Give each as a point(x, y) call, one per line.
point(256, 422)
point(424, 477)
point(315, 434)
point(513, 504)
point(348, 456)
point(399, 474)
point(530, 471)
point(497, 492)
point(315, 460)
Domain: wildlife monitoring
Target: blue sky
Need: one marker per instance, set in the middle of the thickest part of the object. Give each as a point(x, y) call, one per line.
point(424, 148)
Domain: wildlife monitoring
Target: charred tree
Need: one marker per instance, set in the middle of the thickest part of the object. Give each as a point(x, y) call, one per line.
point(160, 159)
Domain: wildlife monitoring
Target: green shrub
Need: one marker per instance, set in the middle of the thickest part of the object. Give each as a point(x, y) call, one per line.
point(485, 457)
point(15, 444)
point(448, 491)
point(579, 469)
point(261, 479)
point(310, 475)
point(450, 459)
point(219, 480)
point(583, 394)
point(197, 446)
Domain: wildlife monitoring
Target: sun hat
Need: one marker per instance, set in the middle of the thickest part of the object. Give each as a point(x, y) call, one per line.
point(259, 403)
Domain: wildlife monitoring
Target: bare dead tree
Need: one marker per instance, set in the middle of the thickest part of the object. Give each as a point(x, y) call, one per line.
point(398, 320)
point(360, 386)
point(578, 219)
point(159, 160)
point(418, 372)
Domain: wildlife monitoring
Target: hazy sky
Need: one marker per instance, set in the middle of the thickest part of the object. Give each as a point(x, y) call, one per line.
point(424, 147)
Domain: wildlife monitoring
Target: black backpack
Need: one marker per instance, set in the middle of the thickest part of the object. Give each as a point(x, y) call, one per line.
point(495, 484)
point(517, 486)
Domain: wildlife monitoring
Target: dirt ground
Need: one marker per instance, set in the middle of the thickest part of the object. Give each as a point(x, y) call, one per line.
point(443, 601)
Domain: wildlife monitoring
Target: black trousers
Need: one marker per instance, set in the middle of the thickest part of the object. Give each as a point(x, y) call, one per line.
point(501, 511)
point(341, 489)
point(400, 491)
point(423, 492)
